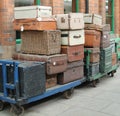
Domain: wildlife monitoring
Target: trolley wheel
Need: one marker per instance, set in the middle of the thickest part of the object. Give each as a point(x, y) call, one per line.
point(1, 105)
point(17, 110)
point(68, 94)
point(112, 74)
point(93, 83)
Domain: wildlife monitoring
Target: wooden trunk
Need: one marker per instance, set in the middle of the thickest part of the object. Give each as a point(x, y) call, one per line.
point(94, 55)
point(74, 53)
point(92, 38)
point(74, 72)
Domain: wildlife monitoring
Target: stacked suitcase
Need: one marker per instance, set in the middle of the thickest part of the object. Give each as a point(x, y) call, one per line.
point(114, 54)
point(106, 50)
point(40, 40)
point(92, 43)
point(72, 41)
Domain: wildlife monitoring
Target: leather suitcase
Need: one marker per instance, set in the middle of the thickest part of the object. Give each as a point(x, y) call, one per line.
point(92, 38)
point(114, 59)
point(93, 19)
point(70, 21)
point(43, 42)
point(72, 73)
point(94, 55)
point(105, 40)
point(51, 81)
point(35, 24)
point(26, 12)
point(54, 63)
point(74, 53)
point(72, 38)
point(31, 79)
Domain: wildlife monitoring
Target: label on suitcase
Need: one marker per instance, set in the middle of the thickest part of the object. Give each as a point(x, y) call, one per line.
point(71, 74)
point(43, 42)
point(92, 38)
point(51, 81)
point(93, 19)
point(54, 63)
point(26, 12)
point(71, 38)
point(35, 24)
point(70, 21)
point(94, 55)
point(74, 53)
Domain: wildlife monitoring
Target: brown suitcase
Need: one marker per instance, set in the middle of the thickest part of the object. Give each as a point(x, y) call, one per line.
point(114, 59)
point(72, 73)
point(74, 53)
point(105, 39)
point(41, 42)
point(35, 24)
point(54, 63)
point(92, 38)
point(94, 55)
point(51, 81)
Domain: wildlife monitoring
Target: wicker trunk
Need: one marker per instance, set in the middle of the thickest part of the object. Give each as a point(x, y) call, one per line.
point(45, 42)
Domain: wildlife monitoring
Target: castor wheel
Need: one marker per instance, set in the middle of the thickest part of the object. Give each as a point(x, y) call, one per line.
point(16, 110)
point(1, 105)
point(68, 94)
point(112, 74)
point(93, 83)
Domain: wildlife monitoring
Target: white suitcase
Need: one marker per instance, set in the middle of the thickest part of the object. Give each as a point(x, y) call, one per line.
point(70, 21)
point(71, 38)
point(28, 12)
point(93, 19)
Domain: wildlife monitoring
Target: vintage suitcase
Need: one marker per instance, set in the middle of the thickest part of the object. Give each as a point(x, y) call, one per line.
point(70, 21)
point(112, 45)
point(93, 19)
point(72, 73)
point(105, 39)
point(72, 38)
point(93, 27)
point(31, 79)
point(43, 42)
point(54, 63)
point(74, 53)
point(35, 24)
point(105, 59)
point(92, 38)
point(94, 55)
point(27, 12)
point(51, 81)
point(114, 59)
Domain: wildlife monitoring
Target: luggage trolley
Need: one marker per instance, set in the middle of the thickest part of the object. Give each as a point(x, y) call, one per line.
point(17, 102)
point(94, 79)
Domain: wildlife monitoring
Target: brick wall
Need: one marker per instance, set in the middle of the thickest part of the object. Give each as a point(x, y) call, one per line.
point(102, 10)
point(57, 5)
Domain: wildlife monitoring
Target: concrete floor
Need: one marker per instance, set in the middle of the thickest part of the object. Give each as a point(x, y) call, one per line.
point(104, 100)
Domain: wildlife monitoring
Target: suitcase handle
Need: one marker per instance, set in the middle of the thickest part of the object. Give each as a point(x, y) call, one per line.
point(76, 37)
point(76, 53)
point(56, 63)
